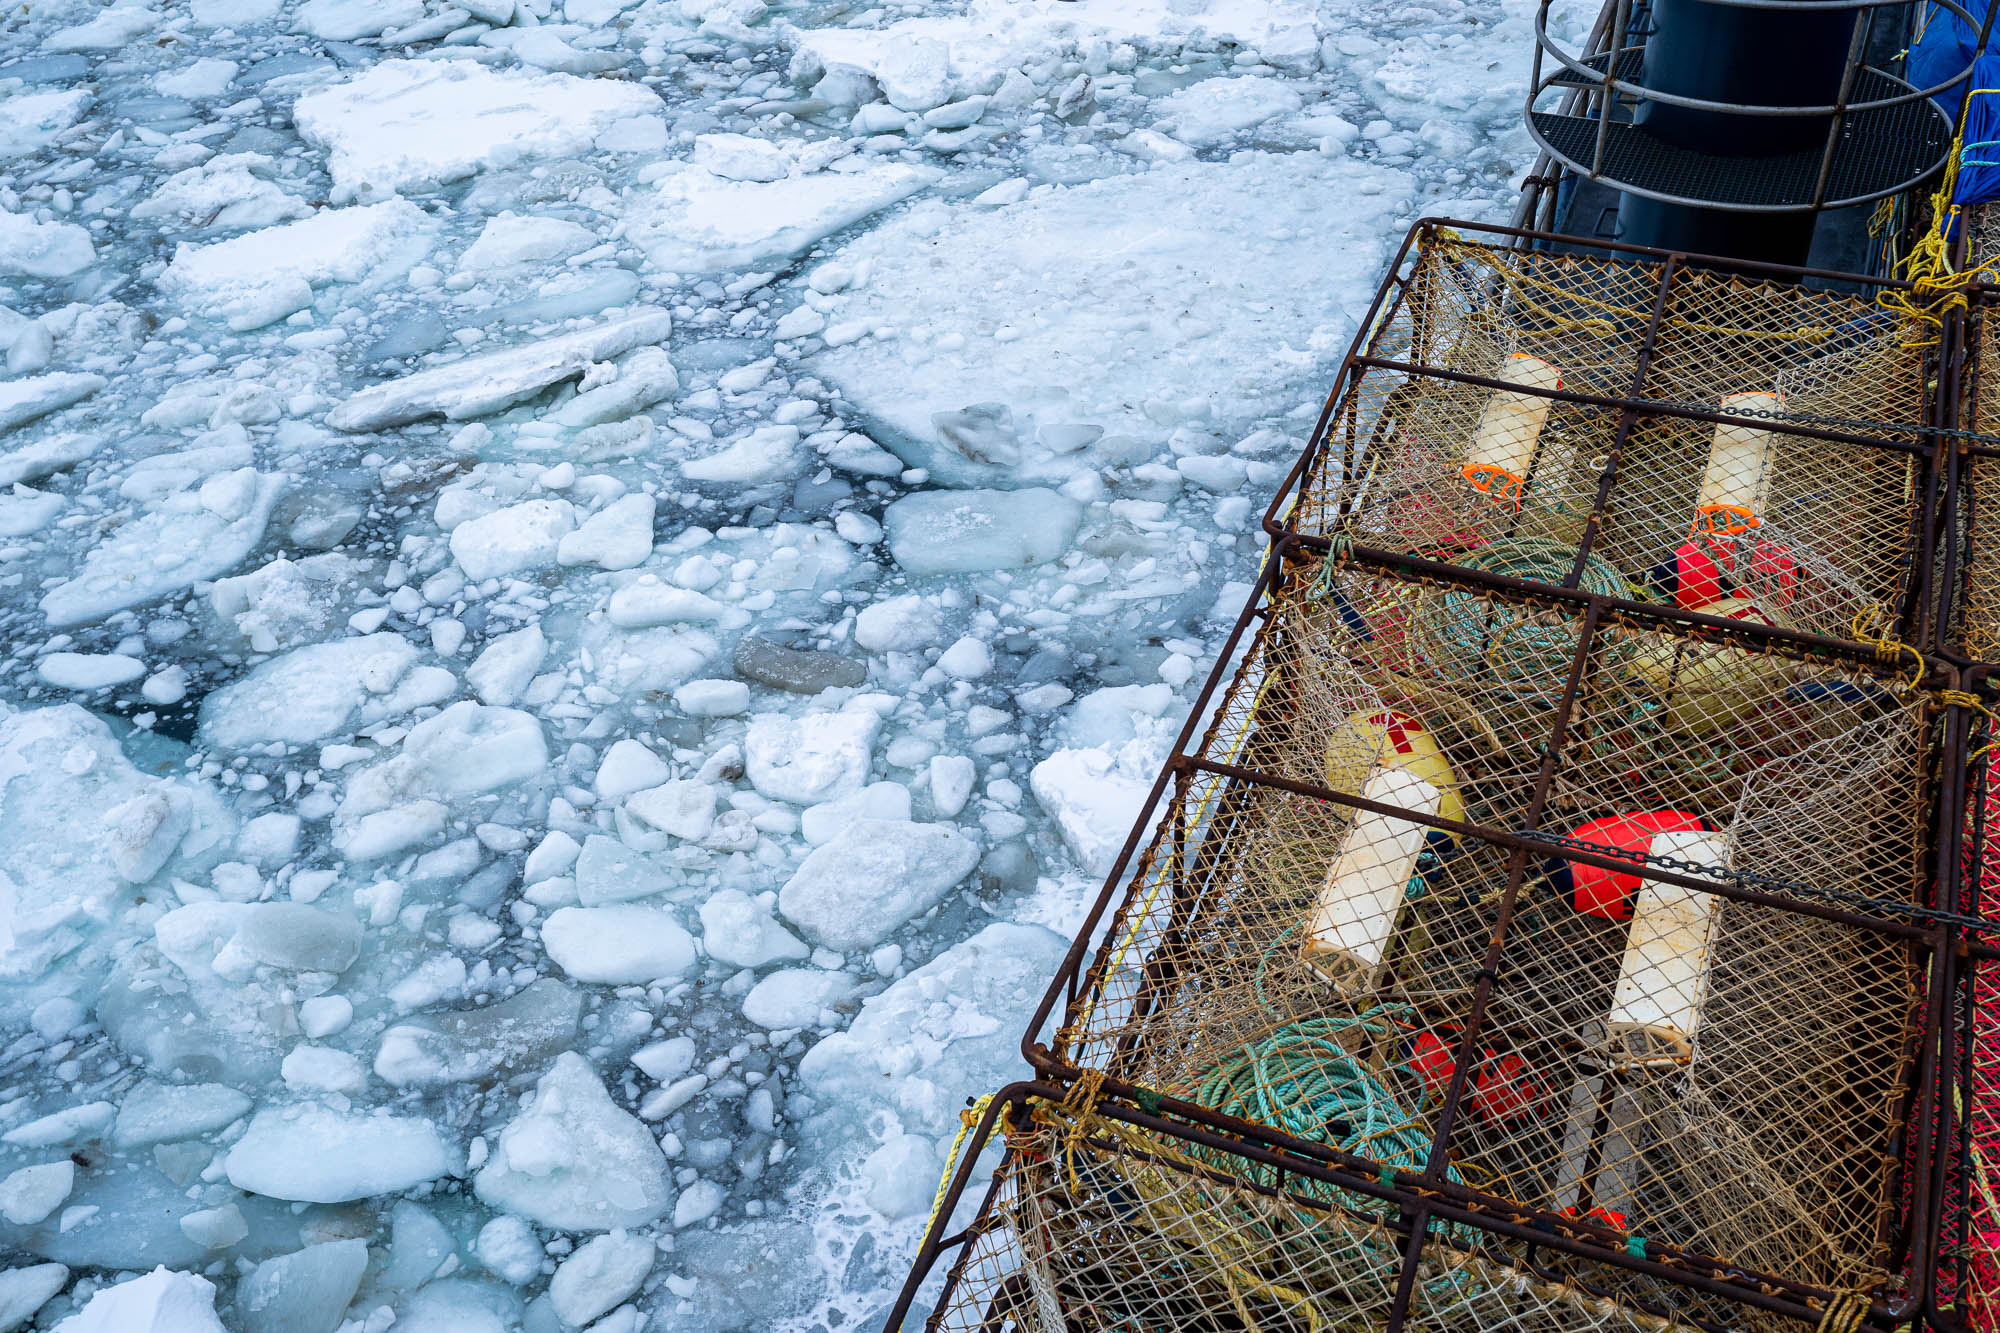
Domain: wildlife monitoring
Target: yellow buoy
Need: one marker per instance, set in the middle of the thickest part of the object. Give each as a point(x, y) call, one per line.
point(1708, 687)
point(1388, 739)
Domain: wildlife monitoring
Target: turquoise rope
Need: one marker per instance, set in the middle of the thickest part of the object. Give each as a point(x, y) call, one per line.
point(1521, 651)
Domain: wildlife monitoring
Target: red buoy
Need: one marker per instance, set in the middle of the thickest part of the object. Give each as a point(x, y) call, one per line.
point(1608, 893)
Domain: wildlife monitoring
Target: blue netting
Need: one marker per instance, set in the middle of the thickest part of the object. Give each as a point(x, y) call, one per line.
point(1979, 152)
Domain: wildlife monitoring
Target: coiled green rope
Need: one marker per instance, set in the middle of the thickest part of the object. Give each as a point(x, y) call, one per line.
point(1302, 1079)
point(1523, 649)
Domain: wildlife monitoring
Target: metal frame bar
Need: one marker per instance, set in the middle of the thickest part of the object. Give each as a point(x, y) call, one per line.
point(1928, 931)
point(1417, 1200)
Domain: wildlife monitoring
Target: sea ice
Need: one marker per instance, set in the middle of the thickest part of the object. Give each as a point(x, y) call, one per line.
point(871, 877)
point(412, 125)
point(952, 1024)
point(618, 946)
point(805, 760)
point(162, 1301)
point(313, 1153)
point(694, 221)
point(248, 273)
point(190, 535)
point(483, 384)
point(1110, 312)
point(573, 1160)
point(966, 532)
point(310, 693)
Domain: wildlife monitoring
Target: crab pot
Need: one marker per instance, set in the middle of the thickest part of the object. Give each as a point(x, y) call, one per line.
point(1690, 404)
point(1714, 1054)
point(1107, 1217)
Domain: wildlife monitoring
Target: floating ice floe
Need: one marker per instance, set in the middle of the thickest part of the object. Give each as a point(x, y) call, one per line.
point(1102, 318)
point(478, 385)
point(412, 125)
point(261, 277)
point(691, 220)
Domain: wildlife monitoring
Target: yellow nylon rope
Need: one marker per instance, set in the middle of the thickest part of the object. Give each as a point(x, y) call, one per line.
point(1936, 289)
point(968, 1120)
point(1519, 283)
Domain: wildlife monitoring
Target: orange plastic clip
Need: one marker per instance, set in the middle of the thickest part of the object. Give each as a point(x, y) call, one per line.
point(1723, 521)
point(1498, 482)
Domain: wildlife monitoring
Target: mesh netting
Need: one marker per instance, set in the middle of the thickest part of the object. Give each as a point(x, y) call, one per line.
point(1807, 527)
point(1979, 500)
point(1096, 1224)
point(1720, 1074)
point(1969, 1257)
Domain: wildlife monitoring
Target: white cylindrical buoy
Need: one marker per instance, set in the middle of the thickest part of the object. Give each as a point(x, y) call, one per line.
point(1503, 446)
point(1663, 978)
point(1738, 479)
point(1354, 918)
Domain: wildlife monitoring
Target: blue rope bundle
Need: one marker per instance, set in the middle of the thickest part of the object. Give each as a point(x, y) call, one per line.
point(1524, 650)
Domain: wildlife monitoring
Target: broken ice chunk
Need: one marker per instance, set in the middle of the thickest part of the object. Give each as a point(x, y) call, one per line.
point(738, 930)
point(31, 249)
point(162, 1301)
point(696, 222)
point(472, 1045)
point(308, 694)
point(166, 1113)
point(603, 1271)
point(618, 946)
point(23, 400)
point(303, 1292)
point(513, 540)
point(953, 1023)
point(190, 536)
point(410, 125)
point(871, 877)
point(483, 384)
point(806, 760)
point(965, 532)
point(314, 1154)
point(798, 997)
point(573, 1160)
point(618, 536)
point(333, 245)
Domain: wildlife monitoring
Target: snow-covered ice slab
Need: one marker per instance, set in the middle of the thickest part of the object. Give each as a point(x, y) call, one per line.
point(24, 400)
point(976, 48)
point(315, 1154)
point(952, 1024)
point(478, 385)
point(30, 122)
point(79, 826)
point(252, 274)
point(1095, 320)
point(692, 221)
point(412, 125)
point(192, 535)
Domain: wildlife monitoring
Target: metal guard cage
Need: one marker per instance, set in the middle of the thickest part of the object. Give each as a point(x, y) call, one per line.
point(1883, 135)
point(1117, 1216)
point(1750, 449)
point(1481, 1035)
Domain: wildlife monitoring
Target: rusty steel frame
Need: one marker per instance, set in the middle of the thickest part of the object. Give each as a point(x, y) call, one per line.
point(1928, 932)
point(1936, 935)
point(1926, 439)
point(1418, 1205)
